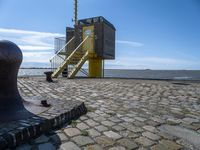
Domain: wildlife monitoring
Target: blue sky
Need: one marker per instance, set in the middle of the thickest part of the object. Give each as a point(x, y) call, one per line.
point(151, 34)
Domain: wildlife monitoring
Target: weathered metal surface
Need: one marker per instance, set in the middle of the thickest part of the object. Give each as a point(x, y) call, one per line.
point(48, 76)
point(11, 103)
point(104, 36)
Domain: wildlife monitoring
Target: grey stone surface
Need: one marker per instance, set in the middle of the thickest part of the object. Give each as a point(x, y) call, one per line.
point(82, 126)
point(72, 131)
point(112, 135)
point(166, 145)
point(82, 140)
point(69, 146)
point(93, 132)
point(117, 148)
point(151, 136)
point(101, 128)
point(133, 109)
point(128, 143)
point(93, 147)
point(104, 141)
point(144, 141)
point(186, 134)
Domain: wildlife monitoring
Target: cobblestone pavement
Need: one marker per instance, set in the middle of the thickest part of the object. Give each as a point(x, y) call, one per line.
point(122, 114)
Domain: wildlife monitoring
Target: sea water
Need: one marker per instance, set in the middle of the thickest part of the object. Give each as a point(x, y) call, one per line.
point(118, 73)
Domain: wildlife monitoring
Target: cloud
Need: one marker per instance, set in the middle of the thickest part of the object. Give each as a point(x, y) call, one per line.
point(28, 47)
point(149, 63)
point(130, 43)
point(36, 46)
point(28, 39)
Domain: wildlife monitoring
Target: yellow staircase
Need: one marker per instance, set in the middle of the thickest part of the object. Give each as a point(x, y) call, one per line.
point(75, 58)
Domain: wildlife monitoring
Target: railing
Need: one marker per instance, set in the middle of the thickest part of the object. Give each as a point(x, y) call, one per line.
point(59, 62)
point(57, 59)
point(59, 43)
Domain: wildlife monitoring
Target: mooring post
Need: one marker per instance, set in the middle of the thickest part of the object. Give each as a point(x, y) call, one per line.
point(11, 104)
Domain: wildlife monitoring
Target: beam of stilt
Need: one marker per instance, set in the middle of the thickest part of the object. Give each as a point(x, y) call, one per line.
point(76, 11)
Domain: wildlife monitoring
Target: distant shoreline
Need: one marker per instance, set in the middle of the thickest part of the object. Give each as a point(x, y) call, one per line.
point(116, 69)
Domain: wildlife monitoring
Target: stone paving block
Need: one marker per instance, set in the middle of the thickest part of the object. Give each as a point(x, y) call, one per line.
point(144, 141)
point(82, 126)
point(127, 143)
point(91, 123)
point(166, 145)
point(93, 133)
point(118, 128)
point(149, 103)
point(115, 119)
point(104, 141)
point(117, 148)
point(112, 135)
point(108, 123)
point(101, 128)
point(190, 120)
point(135, 129)
point(140, 119)
point(150, 128)
point(93, 147)
point(72, 131)
point(82, 140)
point(151, 136)
point(69, 146)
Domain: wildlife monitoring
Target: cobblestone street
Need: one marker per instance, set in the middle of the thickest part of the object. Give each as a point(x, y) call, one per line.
point(122, 114)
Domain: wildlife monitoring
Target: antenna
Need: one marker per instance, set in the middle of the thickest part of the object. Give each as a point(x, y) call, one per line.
point(75, 11)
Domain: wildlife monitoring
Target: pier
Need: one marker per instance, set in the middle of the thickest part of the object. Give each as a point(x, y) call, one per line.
point(122, 114)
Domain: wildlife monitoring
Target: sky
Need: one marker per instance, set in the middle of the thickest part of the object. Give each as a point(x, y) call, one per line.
point(151, 34)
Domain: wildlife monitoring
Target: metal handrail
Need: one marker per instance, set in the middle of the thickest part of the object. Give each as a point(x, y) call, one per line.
point(62, 48)
point(78, 47)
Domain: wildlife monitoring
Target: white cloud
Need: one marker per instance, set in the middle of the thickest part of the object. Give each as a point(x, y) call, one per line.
point(32, 43)
point(28, 47)
point(130, 43)
point(37, 57)
point(28, 39)
point(149, 63)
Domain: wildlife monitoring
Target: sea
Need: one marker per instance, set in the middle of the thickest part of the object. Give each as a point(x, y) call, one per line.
point(136, 74)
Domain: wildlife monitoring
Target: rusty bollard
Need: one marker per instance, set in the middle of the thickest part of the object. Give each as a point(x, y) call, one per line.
point(11, 103)
point(48, 76)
